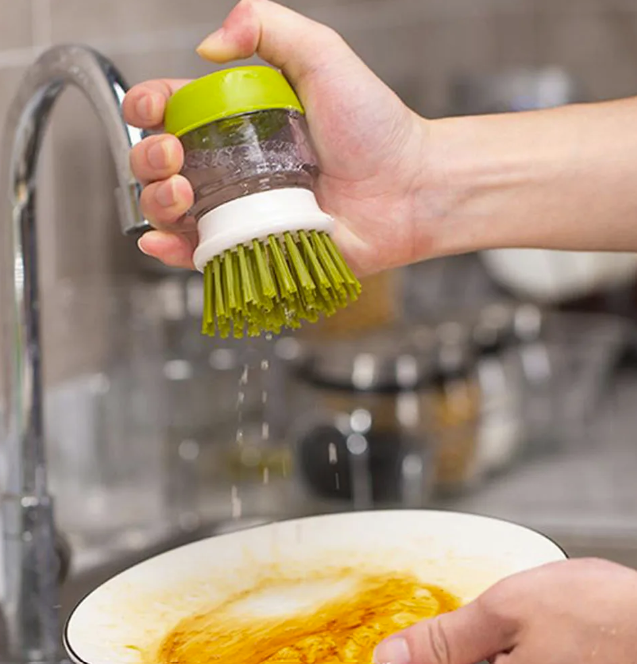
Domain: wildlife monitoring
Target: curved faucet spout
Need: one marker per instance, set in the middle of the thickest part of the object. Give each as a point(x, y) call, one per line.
point(29, 576)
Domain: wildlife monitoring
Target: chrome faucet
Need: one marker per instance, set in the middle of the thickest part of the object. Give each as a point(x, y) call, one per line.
point(30, 565)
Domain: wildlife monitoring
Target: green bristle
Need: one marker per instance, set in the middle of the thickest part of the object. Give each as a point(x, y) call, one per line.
point(287, 287)
point(320, 278)
point(300, 308)
point(248, 287)
point(340, 292)
point(327, 304)
point(327, 299)
point(264, 284)
point(300, 270)
point(208, 318)
point(339, 261)
point(277, 317)
point(281, 282)
point(207, 285)
point(254, 329)
point(229, 296)
point(238, 318)
point(311, 311)
point(221, 306)
point(293, 322)
point(352, 285)
point(322, 255)
point(227, 281)
point(268, 287)
point(224, 327)
point(238, 325)
point(239, 292)
point(313, 262)
point(260, 302)
point(318, 304)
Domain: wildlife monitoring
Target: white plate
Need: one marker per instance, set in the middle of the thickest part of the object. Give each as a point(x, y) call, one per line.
point(462, 553)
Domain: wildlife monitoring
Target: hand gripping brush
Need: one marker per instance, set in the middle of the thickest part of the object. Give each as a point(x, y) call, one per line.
point(265, 247)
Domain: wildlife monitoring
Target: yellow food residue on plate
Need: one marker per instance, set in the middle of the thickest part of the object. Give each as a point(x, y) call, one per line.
point(282, 622)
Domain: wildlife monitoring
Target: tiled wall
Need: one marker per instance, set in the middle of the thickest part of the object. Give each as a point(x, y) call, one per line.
point(417, 46)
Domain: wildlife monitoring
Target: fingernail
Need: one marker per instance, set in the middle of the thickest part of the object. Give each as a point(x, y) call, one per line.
point(210, 40)
point(158, 155)
point(140, 246)
point(392, 651)
point(148, 107)
point(166, 195)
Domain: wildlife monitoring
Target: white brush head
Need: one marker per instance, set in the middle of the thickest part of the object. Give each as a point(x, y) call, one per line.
point(255, 217)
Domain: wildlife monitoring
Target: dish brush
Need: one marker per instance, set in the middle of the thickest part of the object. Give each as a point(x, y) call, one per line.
point(265, 246)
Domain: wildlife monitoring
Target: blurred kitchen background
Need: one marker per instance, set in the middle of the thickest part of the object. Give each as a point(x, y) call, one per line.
point(503, 383)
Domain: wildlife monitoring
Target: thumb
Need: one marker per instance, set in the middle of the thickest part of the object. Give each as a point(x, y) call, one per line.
point(287, 40)
point(466, 636)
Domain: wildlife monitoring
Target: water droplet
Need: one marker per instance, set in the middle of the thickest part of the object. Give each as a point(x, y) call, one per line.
point(236, 503)
point(264, 397)
point(268, 336)
point(241, 396)
point(332, 454)
point(189, 450)
point(265, 431)
point(265, 365)
point(266, 475)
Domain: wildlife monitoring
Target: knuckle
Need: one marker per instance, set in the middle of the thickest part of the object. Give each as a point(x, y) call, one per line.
point(495, 601)
point(149, 207)
point(595, 563)
point(136, 155)
point(503, 604)
point(587, 570)
point(439, 642)
point(139, 149)
point(174, 149)
point(136, 89)
point(330, 36)
point(159, 214)
point(128, 107)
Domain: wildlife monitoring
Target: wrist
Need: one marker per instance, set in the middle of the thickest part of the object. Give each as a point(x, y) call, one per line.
point(470, 177)
point(556, 179)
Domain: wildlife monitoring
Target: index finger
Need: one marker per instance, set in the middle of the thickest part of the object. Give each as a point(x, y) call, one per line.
point(145, 103)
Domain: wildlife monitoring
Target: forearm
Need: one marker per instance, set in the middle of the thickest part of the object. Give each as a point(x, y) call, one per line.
point(559, 179)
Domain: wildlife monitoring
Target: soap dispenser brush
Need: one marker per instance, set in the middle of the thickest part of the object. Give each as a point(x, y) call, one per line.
point(265, 246)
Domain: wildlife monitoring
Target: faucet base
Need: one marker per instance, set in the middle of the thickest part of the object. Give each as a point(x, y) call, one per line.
point(30, 610)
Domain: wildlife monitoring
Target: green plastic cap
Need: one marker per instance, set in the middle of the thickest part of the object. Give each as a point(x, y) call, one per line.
point(228, 93)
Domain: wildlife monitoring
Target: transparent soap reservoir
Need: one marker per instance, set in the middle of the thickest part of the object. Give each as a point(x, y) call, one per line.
point(247, 154)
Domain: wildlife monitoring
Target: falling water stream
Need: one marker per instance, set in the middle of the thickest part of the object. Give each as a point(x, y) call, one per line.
point(265, 425)
point(247, 448)
point(254, 449)
point(235, 499)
